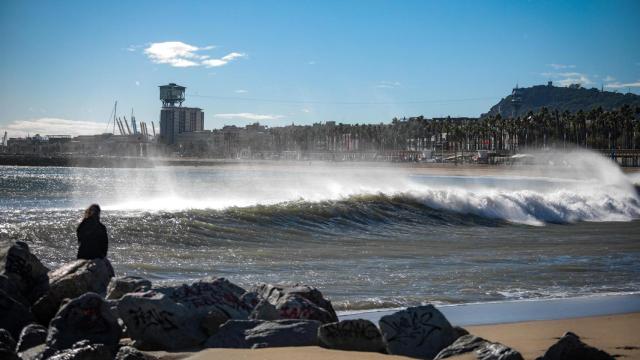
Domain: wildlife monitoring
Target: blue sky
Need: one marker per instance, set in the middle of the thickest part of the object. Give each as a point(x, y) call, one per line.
point(64, 63)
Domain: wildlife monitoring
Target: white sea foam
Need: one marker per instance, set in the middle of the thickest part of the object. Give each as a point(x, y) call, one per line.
point(559, 187)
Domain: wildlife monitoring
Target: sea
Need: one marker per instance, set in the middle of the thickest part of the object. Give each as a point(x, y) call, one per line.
point(368, 235)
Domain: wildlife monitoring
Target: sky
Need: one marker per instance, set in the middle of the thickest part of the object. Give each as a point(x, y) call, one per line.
point(65, 63)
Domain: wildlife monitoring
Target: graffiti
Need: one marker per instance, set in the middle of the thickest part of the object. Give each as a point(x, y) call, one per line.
point(411, 328)
point(352, 329)
point(153, 318)
point(288, 312)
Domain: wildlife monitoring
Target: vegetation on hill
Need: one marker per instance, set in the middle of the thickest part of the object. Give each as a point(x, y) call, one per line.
point(570, 99)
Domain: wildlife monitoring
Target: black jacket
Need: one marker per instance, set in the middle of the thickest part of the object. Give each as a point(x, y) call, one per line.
point(92, 239)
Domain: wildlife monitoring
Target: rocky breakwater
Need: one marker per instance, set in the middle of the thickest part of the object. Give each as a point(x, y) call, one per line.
point(63, 315)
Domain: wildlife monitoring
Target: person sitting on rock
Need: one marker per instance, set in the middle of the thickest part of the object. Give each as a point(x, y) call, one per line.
point(92, 235)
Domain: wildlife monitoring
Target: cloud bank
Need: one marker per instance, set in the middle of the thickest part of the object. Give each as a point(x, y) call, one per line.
point(182, 55)
point(52, 126)
point(617, 85)
point(248, 116)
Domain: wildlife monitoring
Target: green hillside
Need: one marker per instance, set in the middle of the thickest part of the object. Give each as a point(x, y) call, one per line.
point(563, 98)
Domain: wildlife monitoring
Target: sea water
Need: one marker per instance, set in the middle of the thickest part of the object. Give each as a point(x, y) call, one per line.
point(369, 236)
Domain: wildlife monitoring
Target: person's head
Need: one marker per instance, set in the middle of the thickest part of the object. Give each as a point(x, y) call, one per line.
point(92, 211)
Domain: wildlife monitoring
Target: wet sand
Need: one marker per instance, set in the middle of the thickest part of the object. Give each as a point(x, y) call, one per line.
point(616, 334)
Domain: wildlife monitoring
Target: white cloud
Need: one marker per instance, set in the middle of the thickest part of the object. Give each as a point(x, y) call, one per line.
point(568, 78)
point(179, 54)
point(53, 126)
point(306, 111)
point(312, 62)
point(249, 116)
point(617, 85)
point(562, 66)
point(387, 84)
point(609, 78)
point(241, 91)
point(223, 60)
point(137, 83)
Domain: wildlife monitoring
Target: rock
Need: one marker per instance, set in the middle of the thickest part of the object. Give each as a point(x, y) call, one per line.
point(32, 335)
point(212, 321)
point(7, 345)
point(13, 315)
point(497, 351)
point(24, 270)
point(463, 344)
point(70, 281)
point(131, 353)
point(298, 302)
point(485, 350)
point(34, 353)
point(420, 332)
point(356, 335)
point(251, 299)
point(174, 318)
point(571, 347)
point(6, 340)
point(264, 310)
point(460, 331)
point(84, 318)
point(84, 351)
point(246, 334)
point(118, 286)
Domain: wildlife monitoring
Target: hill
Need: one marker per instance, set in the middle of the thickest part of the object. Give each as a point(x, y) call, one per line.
point(562, 98)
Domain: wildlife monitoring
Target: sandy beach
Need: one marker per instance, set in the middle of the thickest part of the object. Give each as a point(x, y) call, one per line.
point(619, 335)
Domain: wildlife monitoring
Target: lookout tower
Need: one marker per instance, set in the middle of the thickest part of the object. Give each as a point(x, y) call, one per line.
point(174, 118)
point(516, 100)
point(172, 94)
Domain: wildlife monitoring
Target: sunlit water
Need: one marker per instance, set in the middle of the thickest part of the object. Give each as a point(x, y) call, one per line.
point(368, 237)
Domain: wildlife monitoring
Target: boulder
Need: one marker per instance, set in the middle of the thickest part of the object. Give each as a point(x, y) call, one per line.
point(87, 317)
point(13, 315)
point(32, 335)
point(84, 350)
point(298, 302)
point(24, 271)
point(174, 318)
point(464, 344)
point(569, 346)
point(356, 335)
point(131, 353)
point(497, 351)
point(34, 353)
point(264, 310)
point(247, 334)
point(70, 281)
point(419, 332)
point(118, 286)
point(484, 350)
point(6, 340)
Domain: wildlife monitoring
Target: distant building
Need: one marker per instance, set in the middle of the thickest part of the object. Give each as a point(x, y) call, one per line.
point(174, 118)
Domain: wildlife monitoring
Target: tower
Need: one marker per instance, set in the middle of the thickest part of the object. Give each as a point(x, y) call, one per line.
point(516, 100)
point(174, 118)
point(172, 94)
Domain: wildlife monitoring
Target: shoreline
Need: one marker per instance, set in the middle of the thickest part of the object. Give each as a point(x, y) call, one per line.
point(619, 335)
point(513, 311)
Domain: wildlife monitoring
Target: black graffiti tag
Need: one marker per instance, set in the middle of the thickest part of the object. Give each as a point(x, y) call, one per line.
point(409, 329)
point(153, 317)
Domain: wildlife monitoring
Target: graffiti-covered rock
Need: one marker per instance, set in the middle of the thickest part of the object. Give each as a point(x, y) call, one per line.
point(175, 318)
point(70, 281)
point(569, 346)
point(298, 302)
point(87, 317)
point(356, 335)
point(419, 332)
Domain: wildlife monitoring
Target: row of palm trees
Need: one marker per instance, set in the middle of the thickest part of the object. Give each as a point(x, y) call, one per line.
point(596, 129)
